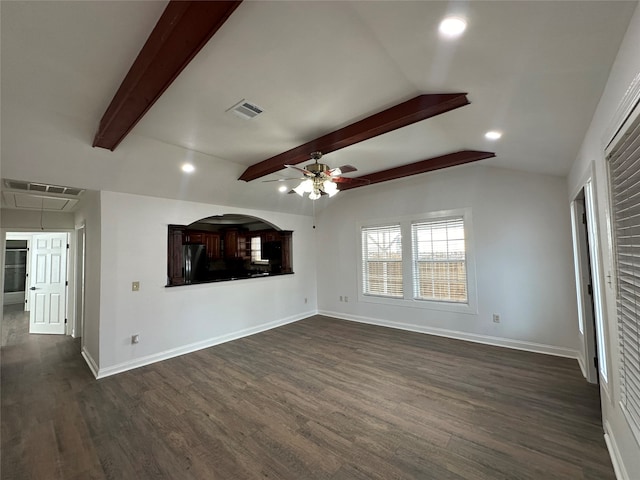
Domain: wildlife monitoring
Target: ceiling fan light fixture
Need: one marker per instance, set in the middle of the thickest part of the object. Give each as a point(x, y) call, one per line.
point(314, 195)
point(306, 186)
point(452, 27)
point(330, 188)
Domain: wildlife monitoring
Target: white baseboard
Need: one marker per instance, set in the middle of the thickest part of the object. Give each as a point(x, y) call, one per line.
point(583, 368)
point(614, 453)
point(471, 337)
point(13, 298)
point(193, 347)
point(90, 362)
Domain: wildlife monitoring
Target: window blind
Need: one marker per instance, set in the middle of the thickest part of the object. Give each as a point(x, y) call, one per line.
point(439, 260)
point(382, 261)
point(624, 178)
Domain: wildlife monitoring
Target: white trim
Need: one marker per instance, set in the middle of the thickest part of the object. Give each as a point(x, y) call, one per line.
point(583, 369)
point(14, 298)
point(193, 347)
point(90, 362)
point(629, 100)
point(405, 222)
point(630, 422)
point(470, 337)
point(614, 453)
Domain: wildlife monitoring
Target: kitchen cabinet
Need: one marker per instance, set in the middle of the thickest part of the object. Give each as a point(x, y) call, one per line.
point(175, 271)
point(285, 238)
point(211, 240)
point(231, 243)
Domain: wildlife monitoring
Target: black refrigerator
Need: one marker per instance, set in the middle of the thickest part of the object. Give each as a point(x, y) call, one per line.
point(195, 263)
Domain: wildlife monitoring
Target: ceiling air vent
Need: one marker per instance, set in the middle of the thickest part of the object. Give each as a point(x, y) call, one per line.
point(246, 110)
point(42, 188)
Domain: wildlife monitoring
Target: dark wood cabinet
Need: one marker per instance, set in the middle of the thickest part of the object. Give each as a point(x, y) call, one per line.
point(285, 238)
point(175, 271)
point(270, 236)
point(211, 241)
point(231, 243)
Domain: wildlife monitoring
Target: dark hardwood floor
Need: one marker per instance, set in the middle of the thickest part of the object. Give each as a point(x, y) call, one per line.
point(317, 399)
point(15, 325)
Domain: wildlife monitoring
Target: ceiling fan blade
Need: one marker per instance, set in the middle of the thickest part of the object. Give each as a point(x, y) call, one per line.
point(302, 170)
point(342, 169)
point(283, 179)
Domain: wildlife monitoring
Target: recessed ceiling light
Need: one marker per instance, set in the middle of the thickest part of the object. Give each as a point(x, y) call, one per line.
point(452, 26)
point(493, 135)
point(188, 168)
point(282, 188)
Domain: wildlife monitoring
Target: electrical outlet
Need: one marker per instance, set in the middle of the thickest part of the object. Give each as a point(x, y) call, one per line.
point(135, 286)
point(496, 318)
point(135, 339)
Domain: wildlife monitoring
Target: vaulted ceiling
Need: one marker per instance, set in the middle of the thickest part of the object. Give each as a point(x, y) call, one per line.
point(532, 70)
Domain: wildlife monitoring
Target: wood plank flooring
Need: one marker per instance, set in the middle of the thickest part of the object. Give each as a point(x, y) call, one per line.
point(15, 325)
point(317, 399)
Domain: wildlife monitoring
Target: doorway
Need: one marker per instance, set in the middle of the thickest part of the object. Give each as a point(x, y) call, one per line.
point(43, 300)
point(587, 271)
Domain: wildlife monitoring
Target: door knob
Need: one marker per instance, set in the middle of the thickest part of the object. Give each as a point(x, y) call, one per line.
point(32, 288)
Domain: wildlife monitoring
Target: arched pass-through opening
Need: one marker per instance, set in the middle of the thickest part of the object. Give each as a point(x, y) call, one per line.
point(226, 247)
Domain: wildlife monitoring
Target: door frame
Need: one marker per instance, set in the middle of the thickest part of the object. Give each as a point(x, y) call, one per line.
point(80, 263)
point(70, 314)
point(594, 335)
point(582, 265)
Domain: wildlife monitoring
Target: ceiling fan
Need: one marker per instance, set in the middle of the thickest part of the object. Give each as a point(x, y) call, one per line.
point(319, 179)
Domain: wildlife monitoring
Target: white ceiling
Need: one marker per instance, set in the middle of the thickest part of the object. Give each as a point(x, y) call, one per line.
point(534, 70)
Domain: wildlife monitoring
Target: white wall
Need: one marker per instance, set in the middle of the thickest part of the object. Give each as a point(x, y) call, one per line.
point(625, 449)
point(30, 219)
point(522, 233)
point(88, 213)
point(179, 319)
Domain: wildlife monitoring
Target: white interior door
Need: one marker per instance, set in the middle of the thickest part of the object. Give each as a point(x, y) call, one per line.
point(47, 280)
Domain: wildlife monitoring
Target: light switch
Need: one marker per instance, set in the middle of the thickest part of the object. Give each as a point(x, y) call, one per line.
point(135, 286)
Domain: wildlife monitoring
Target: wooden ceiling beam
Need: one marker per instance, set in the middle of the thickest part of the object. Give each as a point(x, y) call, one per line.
point(409, 112)
point(423, 166)
point(181, 32)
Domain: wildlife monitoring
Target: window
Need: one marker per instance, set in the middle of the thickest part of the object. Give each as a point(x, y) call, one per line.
point(382, 261)
point(439, 260)
point(421, 261)
point(624, 178)
point(256, 251)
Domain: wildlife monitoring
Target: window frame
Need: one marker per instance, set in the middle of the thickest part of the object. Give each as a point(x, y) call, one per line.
point(409, 299)
point(254, 260)
point(618, 369)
